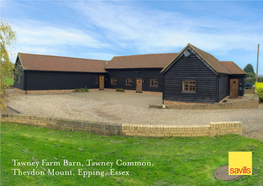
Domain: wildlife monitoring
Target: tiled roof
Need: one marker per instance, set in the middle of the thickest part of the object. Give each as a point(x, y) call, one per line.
point(56, 63)
point(211, 60)
point(232, 67)
point(141, 61)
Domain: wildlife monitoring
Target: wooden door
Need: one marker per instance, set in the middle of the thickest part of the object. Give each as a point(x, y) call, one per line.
point(101, 82)
point(234, 88)
point(138, 85)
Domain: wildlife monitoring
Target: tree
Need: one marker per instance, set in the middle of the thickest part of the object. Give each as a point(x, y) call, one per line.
point(7, 38)
point(250, 74)
point(249, 70)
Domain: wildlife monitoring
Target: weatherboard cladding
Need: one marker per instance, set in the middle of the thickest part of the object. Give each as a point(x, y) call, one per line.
point(56, 63)
point(187, 69)
point(223, 86)
point(145, 74)
point(21, 73)
point(51, 80)
point(210, 60)
point(41, 72)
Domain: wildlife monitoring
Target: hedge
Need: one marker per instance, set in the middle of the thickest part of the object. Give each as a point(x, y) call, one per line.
point(252, 80)
point(259, 90)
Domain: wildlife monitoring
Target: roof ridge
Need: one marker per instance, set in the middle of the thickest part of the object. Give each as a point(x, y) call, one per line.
point(62, 57)
point(145, 54)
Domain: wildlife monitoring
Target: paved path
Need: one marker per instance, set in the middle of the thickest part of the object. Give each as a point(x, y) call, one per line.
point(118, 107)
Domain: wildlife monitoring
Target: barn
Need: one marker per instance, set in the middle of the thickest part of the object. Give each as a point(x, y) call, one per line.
point(44, 72)
point(192, 75)
point(138, 72)
point(197, 76)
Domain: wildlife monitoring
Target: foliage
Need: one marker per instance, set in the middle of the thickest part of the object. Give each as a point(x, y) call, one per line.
point(7, 37)
point(9, 81)
point(225, 100)
point(177, 161)
point(252, 80)
point(120, 90)
point(249, 70)
point(85, 89)
point(250, 74)
point(259, 90)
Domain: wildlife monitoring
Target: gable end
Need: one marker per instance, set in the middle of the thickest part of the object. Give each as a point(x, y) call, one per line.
point(189, 48)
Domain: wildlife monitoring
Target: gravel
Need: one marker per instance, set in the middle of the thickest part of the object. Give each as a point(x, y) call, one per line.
point(132, 108)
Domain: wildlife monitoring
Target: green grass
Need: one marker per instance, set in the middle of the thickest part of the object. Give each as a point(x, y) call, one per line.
point(10, 81)
point(177, 161)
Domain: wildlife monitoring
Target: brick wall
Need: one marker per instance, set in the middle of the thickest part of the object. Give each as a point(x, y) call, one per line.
point(104, 128)
point(72, 90)
point(215, 128)
point(249, 104)
point(44, 91)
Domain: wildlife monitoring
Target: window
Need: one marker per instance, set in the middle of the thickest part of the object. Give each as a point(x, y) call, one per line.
point(113, 81)
point(188, 86)
point(96, 80)
point(153, 82)
point(18, 78)
point(128, 81)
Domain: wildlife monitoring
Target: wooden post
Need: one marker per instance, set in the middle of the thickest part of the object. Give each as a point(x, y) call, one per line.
point(257, 65)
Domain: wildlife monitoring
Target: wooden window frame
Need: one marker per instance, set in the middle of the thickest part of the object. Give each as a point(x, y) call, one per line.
point(126, 81)
point(188, 87)
point(18, 79)
point(113, 80)
point(152, 80)
point(96, 80)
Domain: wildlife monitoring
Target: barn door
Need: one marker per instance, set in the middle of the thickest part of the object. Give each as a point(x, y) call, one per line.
point(234, 88)
point(138, 85)
point(101, 82)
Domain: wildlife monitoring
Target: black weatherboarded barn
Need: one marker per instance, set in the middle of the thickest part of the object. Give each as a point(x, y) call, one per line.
point(138, 72)
point(196, 76)
point(192, 75)
point(43, 72)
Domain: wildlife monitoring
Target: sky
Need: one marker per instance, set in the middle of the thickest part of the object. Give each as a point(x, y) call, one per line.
point(229, 30)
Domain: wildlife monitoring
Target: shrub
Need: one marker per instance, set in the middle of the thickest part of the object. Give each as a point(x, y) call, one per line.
point(86, 89)
point(259, 90)
point(120, 90)
point(225, 101)
point(252, 80)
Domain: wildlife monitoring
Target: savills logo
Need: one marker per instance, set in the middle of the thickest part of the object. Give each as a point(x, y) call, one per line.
point(240, 163)
point(244, 170)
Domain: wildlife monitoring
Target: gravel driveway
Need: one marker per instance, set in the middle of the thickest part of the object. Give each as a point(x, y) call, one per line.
point(119, 107)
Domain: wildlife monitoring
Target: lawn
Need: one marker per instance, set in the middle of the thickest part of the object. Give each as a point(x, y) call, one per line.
point(173, 161)
point(10, 81)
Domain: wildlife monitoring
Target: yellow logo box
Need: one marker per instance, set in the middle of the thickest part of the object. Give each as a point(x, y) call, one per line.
point(240, 163)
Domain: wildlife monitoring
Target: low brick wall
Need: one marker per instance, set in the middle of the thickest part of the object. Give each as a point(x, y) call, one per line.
point(250, 91)
point(44, 91)
point(103, 128)
point(215, 128)
point(64, 124)
point(249, 104)
point(134, 91)
point(72, 90)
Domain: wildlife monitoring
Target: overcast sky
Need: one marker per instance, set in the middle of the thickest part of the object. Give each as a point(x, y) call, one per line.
point(102, 29)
